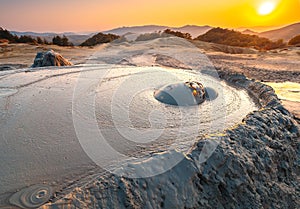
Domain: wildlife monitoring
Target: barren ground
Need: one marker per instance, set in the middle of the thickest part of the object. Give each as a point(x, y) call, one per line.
point(22, 55)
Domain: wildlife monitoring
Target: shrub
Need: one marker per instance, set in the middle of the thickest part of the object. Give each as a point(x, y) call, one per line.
point(39, 40)
point(27, 40)
point(178, 34)
point(295, 40)
point(148, 36)
point(5, 34)
point(100, 38)
point(235, 38)
point(61, 41)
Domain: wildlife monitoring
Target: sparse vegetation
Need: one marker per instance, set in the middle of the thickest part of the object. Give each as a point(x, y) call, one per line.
point(147, 36)
point(151, 36)
point(39, 40)
point(100, 38)
point(61, 41)
point(57, 40)
point(295, 41)
point(122, 39)
point(178, 34)
point(46, 42)
point(5, 34)
point(10, 38)
point(26, 39)
point(235, 38)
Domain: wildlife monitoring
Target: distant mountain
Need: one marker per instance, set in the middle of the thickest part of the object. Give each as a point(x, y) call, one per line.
point(29, 33)
point(33, 34)
point(194, 30)
point(136, 29)
point(75, 38)
point(285, 33)
point(249, 32)
point(236, 38)
point(258, 29)
point(191, 29)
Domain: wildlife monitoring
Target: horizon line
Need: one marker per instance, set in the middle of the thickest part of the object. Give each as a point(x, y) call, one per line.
point(274, 27)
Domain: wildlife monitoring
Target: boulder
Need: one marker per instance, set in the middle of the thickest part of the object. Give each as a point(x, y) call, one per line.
point(50, 58)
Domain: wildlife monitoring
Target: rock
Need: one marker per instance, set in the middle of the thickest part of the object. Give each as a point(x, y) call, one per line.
point(50, 58)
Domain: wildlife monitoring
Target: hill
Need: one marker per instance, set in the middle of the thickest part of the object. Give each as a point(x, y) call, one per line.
point(295, 41)
point(235, 38)
point(100, 38)
point(285, 33)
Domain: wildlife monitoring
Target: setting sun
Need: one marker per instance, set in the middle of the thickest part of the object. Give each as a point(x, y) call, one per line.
point(266, 8)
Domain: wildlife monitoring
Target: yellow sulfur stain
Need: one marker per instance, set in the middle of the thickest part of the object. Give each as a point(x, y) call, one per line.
point(287, 91)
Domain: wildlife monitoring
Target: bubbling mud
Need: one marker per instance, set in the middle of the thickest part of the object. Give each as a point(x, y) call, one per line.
point(182, 94)
point(32, 197)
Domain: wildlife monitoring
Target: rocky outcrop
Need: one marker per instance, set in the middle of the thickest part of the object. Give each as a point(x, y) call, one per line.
point(100, 38)
point(50, 58)
point(255, 165)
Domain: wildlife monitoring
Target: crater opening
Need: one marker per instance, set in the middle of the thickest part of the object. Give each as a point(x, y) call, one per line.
point(184, 94)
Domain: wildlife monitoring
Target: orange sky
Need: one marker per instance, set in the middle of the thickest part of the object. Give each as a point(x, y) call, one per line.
point(97, 15)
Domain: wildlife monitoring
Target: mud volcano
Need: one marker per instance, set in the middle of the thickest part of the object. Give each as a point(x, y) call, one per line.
point(233, 153)
point(35, 103)
point(253, 165)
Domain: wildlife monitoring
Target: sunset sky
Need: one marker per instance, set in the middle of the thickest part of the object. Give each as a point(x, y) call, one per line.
point(97, 15)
